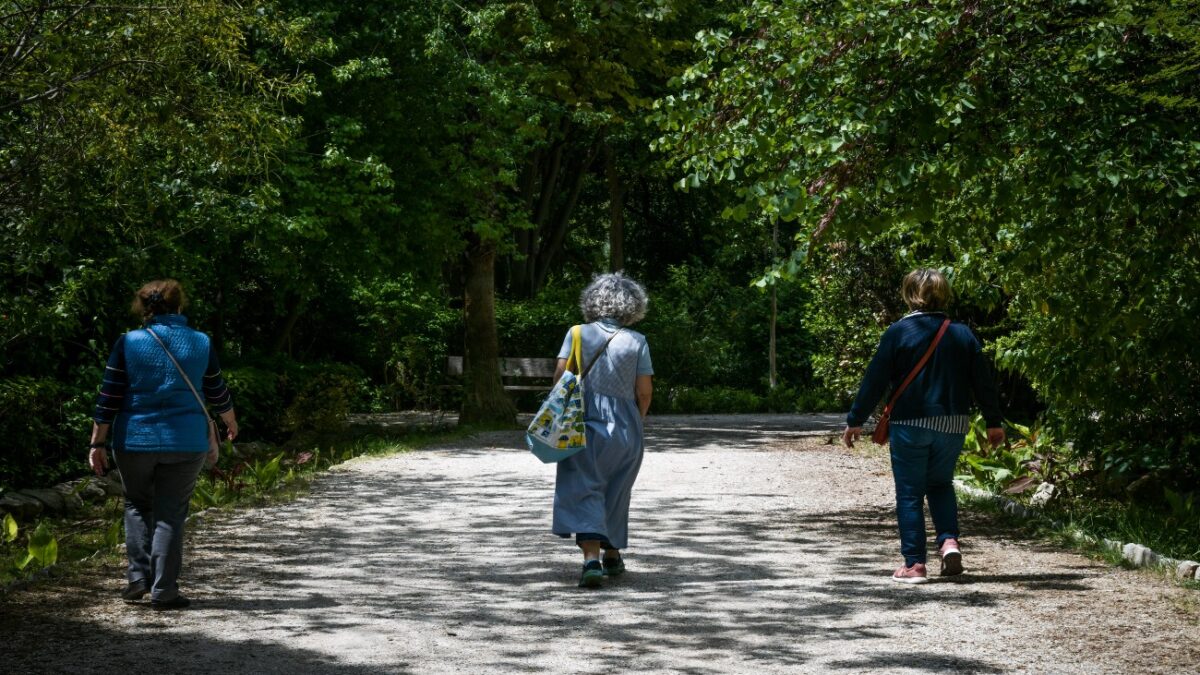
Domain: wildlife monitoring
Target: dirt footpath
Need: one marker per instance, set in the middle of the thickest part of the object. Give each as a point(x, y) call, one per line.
point(755, 548)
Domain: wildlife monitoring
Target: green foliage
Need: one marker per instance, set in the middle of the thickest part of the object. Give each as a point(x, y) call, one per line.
point(729, 400)
point(139, 137)
point(41, 436)
point(266, 474)
point(278, 395)
point(410, 332)
point(1045, 154)
point(709, 330)
point(712, 400)
point(10, 531)
point(42, 547)
point(1028, 458)
point(115, 534)
point(258, 396)
point(537, 326)
point(848, 331)
point(326, 398)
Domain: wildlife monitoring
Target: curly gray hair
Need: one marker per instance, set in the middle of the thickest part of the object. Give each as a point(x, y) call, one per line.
point(614, 296)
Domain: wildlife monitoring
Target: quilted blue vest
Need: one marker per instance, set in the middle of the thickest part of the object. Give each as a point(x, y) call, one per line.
point(159, 413)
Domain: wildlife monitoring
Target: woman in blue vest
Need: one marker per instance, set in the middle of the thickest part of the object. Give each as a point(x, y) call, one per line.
point(930, 419)
point(148, 413)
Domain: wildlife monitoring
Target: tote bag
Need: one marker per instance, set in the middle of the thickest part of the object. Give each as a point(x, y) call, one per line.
point(557, 430)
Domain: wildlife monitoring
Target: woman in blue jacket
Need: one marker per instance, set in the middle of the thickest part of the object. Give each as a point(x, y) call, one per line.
point(931, 418)
point(159, 434)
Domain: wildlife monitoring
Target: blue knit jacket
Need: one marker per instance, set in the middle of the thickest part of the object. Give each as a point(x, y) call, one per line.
point(149, 405)
point(957, 372)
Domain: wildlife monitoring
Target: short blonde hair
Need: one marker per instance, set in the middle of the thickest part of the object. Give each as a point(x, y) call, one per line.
point(925, 290)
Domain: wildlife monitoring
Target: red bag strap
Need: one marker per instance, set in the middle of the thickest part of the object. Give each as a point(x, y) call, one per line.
point(920, 364)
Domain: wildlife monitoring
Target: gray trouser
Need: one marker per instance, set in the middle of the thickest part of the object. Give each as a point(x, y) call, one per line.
point(158, 487)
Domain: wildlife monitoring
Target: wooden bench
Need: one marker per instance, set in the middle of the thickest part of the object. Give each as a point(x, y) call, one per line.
point(515, 368)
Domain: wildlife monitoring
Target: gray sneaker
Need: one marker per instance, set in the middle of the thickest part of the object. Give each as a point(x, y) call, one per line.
point(135, 591)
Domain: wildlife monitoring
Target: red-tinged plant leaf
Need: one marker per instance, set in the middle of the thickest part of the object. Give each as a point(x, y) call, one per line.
point(1022, 484)
point(304, 458)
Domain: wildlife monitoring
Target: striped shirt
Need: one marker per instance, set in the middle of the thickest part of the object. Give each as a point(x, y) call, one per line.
point(947, 424)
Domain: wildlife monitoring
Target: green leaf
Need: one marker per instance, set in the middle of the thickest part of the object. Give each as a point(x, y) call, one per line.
point(43, 546)
point(112, 537)
point(9, 529)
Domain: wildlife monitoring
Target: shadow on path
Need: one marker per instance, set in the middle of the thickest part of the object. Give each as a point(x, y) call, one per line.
point(440, 561)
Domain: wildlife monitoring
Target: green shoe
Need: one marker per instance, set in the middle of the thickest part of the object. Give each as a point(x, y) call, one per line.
point(592, 575)
point(614, 567)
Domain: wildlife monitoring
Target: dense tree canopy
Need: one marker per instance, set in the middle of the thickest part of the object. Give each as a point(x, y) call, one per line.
point(1044, 153)
point(352, 191)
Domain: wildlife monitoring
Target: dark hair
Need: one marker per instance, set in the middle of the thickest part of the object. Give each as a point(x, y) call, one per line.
point(161, 296)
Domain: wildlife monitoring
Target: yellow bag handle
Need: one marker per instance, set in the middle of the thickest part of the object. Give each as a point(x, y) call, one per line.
point(576, 350)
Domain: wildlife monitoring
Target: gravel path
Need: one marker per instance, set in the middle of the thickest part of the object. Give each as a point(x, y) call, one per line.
point(755, 547)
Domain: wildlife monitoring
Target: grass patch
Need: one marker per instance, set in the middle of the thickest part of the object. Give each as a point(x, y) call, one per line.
point(1153, 526)
point(1158, 529)
point(1058, 533)
point(1064, 532)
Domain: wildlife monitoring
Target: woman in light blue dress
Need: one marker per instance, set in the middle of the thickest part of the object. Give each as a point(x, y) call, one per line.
point(591, 495)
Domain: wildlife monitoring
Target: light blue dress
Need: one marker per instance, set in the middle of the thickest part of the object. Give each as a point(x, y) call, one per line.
point(591, 494)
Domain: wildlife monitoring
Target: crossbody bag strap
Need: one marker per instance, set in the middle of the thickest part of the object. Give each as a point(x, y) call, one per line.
point(600, 353)
point(920, 364)
point(182, 374)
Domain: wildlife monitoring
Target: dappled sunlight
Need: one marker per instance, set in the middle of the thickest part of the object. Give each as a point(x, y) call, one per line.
point(742, 557)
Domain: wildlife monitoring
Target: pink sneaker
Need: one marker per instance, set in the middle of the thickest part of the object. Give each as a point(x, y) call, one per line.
point(951, 558)
point(911, 575)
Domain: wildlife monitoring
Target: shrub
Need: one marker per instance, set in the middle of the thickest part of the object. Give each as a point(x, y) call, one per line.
point(713, 400)
point(258, 398)
point(41, 443)
point(326, 396)
point(277, 395)
point(410, 332)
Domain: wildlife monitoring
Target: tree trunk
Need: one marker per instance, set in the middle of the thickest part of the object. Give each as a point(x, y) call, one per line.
point(774, 379)
point(218, 318)
point(284, 338)
point(616, 218)
point(552, 241)
point(484, 400)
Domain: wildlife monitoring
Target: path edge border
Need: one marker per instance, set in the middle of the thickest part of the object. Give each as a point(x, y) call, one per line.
point(1135, 554)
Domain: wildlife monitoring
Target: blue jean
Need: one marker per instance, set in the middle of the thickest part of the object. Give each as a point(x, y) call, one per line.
point(923, 468)
point(158, 488)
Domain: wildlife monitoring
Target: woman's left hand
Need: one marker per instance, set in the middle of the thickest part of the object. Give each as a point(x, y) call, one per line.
point(850, 435)
point(231, 425)
point(98, 459)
